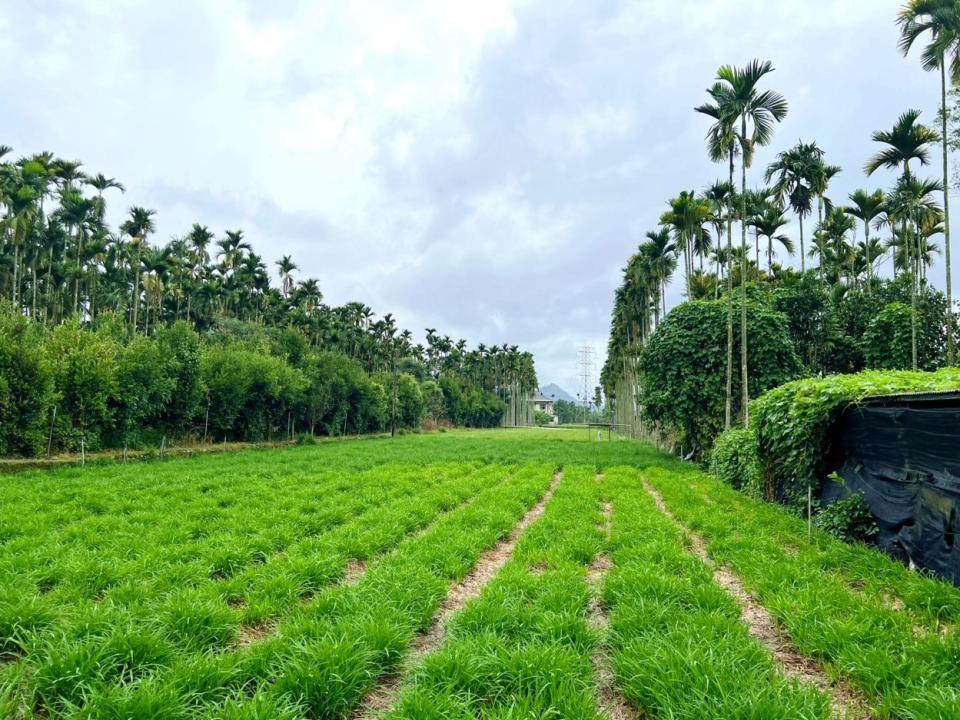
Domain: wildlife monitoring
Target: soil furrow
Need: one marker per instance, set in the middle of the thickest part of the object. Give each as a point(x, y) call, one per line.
point(610, 702)
point(846, 701)
point(381, 698)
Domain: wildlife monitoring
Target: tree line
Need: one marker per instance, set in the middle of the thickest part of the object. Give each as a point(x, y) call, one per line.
point(110, 339)
point(897, 322)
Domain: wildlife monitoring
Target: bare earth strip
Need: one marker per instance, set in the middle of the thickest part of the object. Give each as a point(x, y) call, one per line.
point(846, 701)
point(381, 698)
point(610, 703)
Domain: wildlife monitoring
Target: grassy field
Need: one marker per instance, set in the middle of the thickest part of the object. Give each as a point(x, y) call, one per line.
point(300, 582)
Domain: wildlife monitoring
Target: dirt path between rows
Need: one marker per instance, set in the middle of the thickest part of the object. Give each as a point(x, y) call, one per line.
point(846, 702)
point(610, 703)
point(381, 698)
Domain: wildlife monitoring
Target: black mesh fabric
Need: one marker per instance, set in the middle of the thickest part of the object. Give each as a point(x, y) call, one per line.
point(905, 457)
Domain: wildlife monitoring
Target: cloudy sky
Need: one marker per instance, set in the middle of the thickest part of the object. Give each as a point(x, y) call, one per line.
point(484, 168)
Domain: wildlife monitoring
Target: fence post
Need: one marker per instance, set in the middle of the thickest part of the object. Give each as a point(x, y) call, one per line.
point(163, 447)
point(83, 452)
point(809, 512)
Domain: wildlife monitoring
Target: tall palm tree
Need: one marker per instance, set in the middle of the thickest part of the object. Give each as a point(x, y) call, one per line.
point(941, 19)
point(793, 170)
point(769, 223)
point(138, 226)
point(199, 239)
point(722, 146)
point(286, 266)
point(908, 140)
point(866, 208)
point(686, 217)
point(911, 201)
point(737, 92)
point(664, 251)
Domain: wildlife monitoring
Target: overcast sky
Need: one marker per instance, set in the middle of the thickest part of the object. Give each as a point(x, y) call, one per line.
point(484, 168)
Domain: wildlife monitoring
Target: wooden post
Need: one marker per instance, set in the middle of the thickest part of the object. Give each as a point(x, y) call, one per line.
point(50, 439)
point(163, 447)
point(809, 512)
point(206, 424)
point(83, 452)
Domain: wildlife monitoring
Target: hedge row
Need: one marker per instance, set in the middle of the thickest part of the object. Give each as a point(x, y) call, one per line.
point(72, 385)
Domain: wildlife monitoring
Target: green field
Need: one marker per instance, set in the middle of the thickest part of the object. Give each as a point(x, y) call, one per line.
point(295, 582)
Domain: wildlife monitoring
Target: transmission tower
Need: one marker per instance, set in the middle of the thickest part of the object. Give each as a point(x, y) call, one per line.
point(586, 360)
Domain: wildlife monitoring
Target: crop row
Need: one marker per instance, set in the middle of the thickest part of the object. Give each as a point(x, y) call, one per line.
point(890, 631)
point(679, 647)
point(523, 647)
point(319, 659)
point(68, 646)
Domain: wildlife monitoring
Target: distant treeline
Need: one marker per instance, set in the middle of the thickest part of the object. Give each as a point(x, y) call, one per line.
point(101, 385)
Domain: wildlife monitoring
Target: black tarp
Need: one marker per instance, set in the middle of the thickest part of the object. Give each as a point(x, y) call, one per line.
point(903, 453)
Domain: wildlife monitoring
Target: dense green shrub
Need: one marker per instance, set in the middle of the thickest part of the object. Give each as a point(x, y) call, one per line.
point(410, 404)
point(683, 367)
point(734, 460)
point(542, 418)
point(887, 342)
point(85, 377)
point(793, 422)
point(26, 386)
point(848, 519)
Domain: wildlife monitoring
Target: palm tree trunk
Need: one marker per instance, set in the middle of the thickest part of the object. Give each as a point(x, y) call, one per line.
point(866, 250)
point(136, 292)
point(728, 405)
point(16, 264)
point(744, 376)
point(913, 303)
point(803, 261)
point(946, 211)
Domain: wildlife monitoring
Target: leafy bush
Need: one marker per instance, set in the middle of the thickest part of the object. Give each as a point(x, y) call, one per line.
point(734, 461)
point(887, 342)
point(26, 386)
point(848, 519)
point(683, 367)
point(542, 418)
point(793, 422)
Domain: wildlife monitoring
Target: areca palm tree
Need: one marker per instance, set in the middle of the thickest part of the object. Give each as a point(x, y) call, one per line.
point(664, 252)
point(912, 202)
point(768, 224)
point(866, 208)
point(686, 217)
point(138, 226)
point(737, 95)
point(907, 141)
point(286, 266)
point(941, 20)
point(793, 170)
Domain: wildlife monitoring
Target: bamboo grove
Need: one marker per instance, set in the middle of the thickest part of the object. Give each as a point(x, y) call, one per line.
point(729, 241)
point(62, 264)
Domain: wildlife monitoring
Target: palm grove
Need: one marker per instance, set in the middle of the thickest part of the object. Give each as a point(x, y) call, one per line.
point(751, 323)
point(110, 339)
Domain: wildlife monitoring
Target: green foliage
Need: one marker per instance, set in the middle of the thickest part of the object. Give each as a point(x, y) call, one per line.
point(26, 385)
point(793, 422)
point(542, 418)
point(683, 367)
point(85, 375)
point(433, 400)
point(410, 403)
point(887, 341)
point(734, 460)
point(848, 519)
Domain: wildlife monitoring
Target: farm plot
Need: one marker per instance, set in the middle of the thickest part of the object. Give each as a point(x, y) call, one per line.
point(890, 632)
point(314, 583)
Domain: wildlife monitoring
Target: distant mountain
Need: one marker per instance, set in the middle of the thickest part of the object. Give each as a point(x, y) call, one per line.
point(557, 393)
